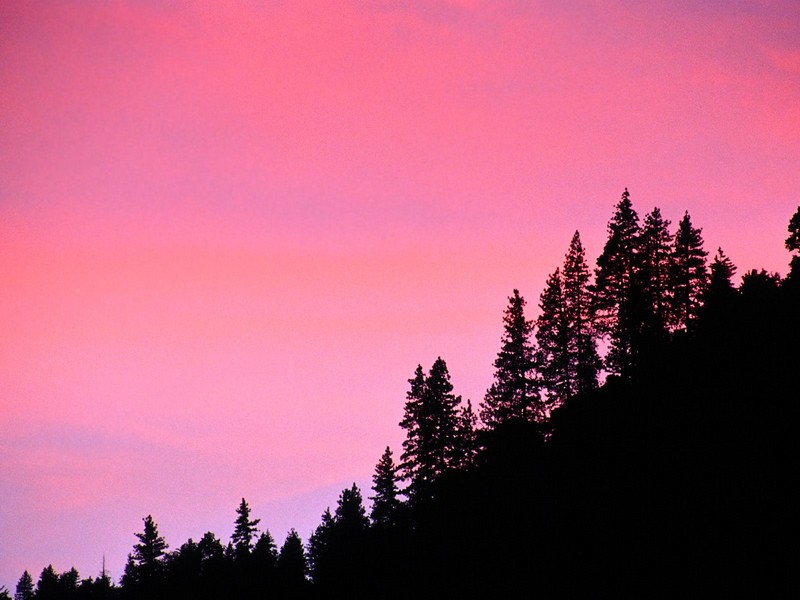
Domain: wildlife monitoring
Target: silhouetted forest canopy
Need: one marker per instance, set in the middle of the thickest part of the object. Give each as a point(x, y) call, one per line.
point(636, 440)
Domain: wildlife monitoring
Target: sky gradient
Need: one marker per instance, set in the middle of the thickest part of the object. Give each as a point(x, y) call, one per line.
point(229, 234)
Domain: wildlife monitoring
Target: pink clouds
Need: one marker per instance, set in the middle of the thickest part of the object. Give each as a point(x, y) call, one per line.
point(229, 234)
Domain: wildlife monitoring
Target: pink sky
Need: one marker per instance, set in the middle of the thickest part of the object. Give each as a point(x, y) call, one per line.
point(229, 235)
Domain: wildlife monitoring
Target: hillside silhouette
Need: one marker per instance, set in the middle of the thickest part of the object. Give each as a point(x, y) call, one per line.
point(661, 467)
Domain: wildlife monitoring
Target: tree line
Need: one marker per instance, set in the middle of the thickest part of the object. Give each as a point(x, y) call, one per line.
point(558, 485)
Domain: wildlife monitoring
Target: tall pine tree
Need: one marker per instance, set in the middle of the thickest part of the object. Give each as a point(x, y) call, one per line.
point(244, 531)
point(582, 344)
point(617, 298)
point(386, 504)
point(431, 424)
point(337, 548)
point(793, 241)
point(722, 271)
point(291, 569)
point(552, 336)
point(318, 543)
point(144, 570)
point(655, 269)
point(793, 245)
point(514, 394)
point(466, 437)
point(568, 358)
point(689, 274)
point(48, 587)
point(24, 587)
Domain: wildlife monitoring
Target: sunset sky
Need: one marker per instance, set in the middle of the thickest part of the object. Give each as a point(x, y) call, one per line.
point(229, 232)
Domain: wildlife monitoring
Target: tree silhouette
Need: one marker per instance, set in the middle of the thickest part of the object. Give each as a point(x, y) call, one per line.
point(582, 344)
point(722, 272)
point(648, 471)
point(567, 358)
point(466, 437)
point(68, 581)
point(244, 531)
point(292, 564)
point(386, 504)
point(689, 273)
point(553, 338)
point(431, 424)
point(655, 271)
point(318, 549)
point(265, 551)
point(514, 394)
point(150, 548)
point(263, 565)
point(616, 297)
point(337, 548)
point(793, 241)
point(145, 567)
point(48, 586)
point(4, 593)
point(24, 587)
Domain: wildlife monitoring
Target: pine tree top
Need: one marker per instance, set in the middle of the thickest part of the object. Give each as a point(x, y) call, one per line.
point(151, 545)
point(245, 528)
point(793, 241)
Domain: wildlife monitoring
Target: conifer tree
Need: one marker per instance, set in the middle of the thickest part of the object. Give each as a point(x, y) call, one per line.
point(552, 336)
point(350, 512)
point(151, 545)
point(24, 587)
point(655, 270)
point(722, 272)
point(68, 581)
point(431, 424)
point(145, 568)
point(337, 548)
point(689, 274)
point(582, 344)
point(48, 587)
point(416, 422)
point(4, 593)
point(385, 503)
point(318, 545)
point(265, 551)
point(720, 294)
point(244, 531)
point(616, 297)
point(466, 437)
point(793, 241)
point(792, 281)
point(292, 562)
point(514, 394)
point(262, 565)
point(210, 548)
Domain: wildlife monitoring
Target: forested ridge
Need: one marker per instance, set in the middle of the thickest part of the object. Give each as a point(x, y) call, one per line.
point(637, 441)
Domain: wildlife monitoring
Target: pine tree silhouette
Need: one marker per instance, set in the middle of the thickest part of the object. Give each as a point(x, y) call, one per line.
point(514, 394)
point(793, 241)
point(244, 531)
point(689, 274)
point(616, 297)
point(584, 360)
point(144, 570)
point(48, 587)
point(292, 565)
point(24, 587)
point(431, 424)
point(386, 504)
point(655, 271)
point(553, 339)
